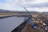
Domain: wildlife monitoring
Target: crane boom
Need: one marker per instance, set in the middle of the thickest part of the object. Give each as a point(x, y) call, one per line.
point(27, 11)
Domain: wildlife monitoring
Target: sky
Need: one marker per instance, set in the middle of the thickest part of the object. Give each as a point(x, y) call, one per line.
point(31, 5)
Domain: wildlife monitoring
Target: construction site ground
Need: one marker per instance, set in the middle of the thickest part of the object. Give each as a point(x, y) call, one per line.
point(28, 26)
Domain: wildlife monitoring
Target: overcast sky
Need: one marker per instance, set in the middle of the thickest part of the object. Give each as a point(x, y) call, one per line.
point(31, 5)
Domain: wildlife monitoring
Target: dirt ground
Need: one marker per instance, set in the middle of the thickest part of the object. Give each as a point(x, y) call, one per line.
point(28, 28)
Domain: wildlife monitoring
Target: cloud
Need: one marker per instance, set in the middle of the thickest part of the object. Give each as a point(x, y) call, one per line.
point(34, 1)
point(40, 5)
point(38, 9)
point(37, 5)
point(10, 5)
